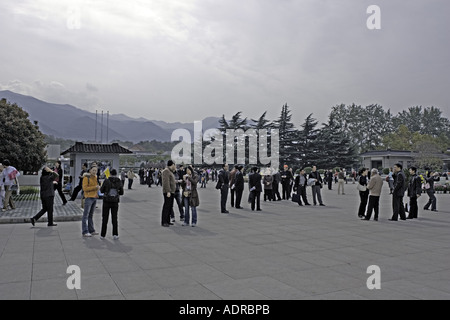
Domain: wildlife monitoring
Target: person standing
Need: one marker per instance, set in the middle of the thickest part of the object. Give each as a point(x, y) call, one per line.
point(90, 189)
point(275, 186)
point(123, 176)
point(142, 175)
point(391, 180)
point(301, 182)
point(286, 178)
point(316, 186)
point(112, 189)
point(169, 186)
point(330, 179)
point(429, 188)
point(375, 186)
point(59, 181)
point(363, 192)
point(239, 186)
point(131, 176)
point(9, 178)
point(47, 181)
point(398, 193)
point(223, 186)
point(2, 187)
point(254, 183)
point(414, 192)
point(232, 184)
point(341, 182)
point(268, 182)
point(79, 187)
point(178, 174)
point(190, 196)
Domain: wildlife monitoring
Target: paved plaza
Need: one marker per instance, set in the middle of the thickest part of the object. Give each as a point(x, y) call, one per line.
point(283, 252)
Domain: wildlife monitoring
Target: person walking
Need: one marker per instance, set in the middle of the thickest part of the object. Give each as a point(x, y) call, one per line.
point(9, 179)
point(254, 183)
point(268, 182)
point(429, 188)
point(374, 187)
point(232, 184)
point(398, 193)
point(123, 176)
point(131, 176)
point(363, 192)
point(79, 187)
point(301, 182)
point(223, 186)
point(59, 181)
point(112, 189)
point(275, 186)
point(391, 180)
point(341, 182)
point(190, 196)
point(239, 186)
point(47, 192)
point(169, 187)
point(286, 178)
point(317, 186)
point(414, 192)
point(90, 189)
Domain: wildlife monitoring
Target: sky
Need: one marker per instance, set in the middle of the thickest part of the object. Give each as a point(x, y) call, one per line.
point(186, 60)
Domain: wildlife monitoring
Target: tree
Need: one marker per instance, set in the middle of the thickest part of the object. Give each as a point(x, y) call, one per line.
point(427, 120)
point(21, 142)
point(308, 148)
point(288, 137)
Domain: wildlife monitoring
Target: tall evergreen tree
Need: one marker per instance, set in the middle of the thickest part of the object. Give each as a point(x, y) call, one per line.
point(308, 148)
point(288, 139)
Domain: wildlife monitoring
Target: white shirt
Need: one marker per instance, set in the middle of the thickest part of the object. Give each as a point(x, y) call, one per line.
point(5, 176)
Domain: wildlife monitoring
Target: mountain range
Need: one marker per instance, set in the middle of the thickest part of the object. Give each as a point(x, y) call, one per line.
point(69, 122)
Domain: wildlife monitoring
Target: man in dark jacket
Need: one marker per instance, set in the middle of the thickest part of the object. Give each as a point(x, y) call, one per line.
point(398, 193)
point(223, 185)
point(254, 184)
point(414, 192)
point(301, 182)
point(275, 186)
point(239, 186)
point(286, 178)
point(79, 187)
point(316, 186)
point(47, 181)
point(112, 188)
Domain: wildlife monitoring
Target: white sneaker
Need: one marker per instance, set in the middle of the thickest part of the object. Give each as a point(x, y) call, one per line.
point(173, 220)
point(87, 235)
point(194, 225)
point(94, 234)
point(102, 238)
point(184, 224)
point(116, 237)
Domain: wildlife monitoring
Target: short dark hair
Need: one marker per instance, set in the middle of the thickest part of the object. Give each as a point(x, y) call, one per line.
point(114, 172)
point(399, 165)
point(223, 165)
point(170, 163)
point(255, 169)
point(6, 163)
point(413, 169)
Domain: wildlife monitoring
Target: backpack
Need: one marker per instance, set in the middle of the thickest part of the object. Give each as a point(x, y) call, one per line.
point(112, 195)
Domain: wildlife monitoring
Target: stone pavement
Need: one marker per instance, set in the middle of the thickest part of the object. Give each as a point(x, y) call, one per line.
point(284, 252)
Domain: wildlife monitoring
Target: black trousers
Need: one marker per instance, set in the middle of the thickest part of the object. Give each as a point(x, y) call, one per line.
point(130, 183)
point(275, 192)
point(58, 187)
point(285, 189)
point(47, 206)
point(75, 192)
point(167, 208)
point(267, 194)
point(330, 183)
point(233, 192)
point(180, 205)
point(364, 196)
point(224, 197)
point(256, 199)
point(432, 201)
point(112, 207)
point(374, 205)
point(302, 192)
point(239, 197)
point(413, 208)
point(398, 208)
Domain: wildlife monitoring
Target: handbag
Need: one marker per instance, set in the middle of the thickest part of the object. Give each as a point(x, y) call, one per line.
point(186, 194)
point(427, 186)
point(361, 188)
point(296, 197)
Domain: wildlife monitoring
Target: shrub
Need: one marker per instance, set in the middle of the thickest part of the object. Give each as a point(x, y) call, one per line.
point(386, 171)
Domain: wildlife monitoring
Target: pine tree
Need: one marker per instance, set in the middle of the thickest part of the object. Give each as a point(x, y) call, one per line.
point(288, 137)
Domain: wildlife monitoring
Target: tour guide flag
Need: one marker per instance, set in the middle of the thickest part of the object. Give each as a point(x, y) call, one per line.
point(107, 173)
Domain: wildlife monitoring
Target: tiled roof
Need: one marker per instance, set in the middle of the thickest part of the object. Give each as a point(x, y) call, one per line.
point(80, 147)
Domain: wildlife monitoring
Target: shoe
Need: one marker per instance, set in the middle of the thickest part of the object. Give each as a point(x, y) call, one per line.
point(170, 223)
point(392, 220)
point(33, 221)
point(184, 224)
point(307, 204)
point(409, 218)
point(434, 210)
point(426, 209)
point(94, 233)
point(64, 203)
point(102, 238)
point(322, 205)
point(258, 210)
point(182, 218)
point(194, 225)
point(116, 237)
point(52, 225)
point(87, 235)
point(376, 219)
point(300, 205)
point(364, 219)
point(403, 219)
point(343, 194)
point(166, 225)
point(239, 208)
point(173, 219)
point(226, 211)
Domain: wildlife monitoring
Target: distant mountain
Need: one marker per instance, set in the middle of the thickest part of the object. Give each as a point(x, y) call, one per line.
point(69, 122)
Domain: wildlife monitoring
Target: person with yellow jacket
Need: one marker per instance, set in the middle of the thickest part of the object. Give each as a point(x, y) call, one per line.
point(90, 189)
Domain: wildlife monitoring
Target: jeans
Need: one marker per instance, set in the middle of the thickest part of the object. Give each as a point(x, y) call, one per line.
point(87, 223)
point(114, 207)
point(186, 212)
point(316, 193)
point(180, 205)
point(432, 201)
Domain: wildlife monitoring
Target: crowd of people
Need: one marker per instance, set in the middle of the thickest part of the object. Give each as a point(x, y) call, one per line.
point(179, 186)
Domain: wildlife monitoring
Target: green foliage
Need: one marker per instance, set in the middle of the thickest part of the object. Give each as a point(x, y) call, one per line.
point(21, 142)
point(386, 171)
point(308, 170)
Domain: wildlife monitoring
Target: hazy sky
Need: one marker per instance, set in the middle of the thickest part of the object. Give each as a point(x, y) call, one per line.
point(185, 60)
